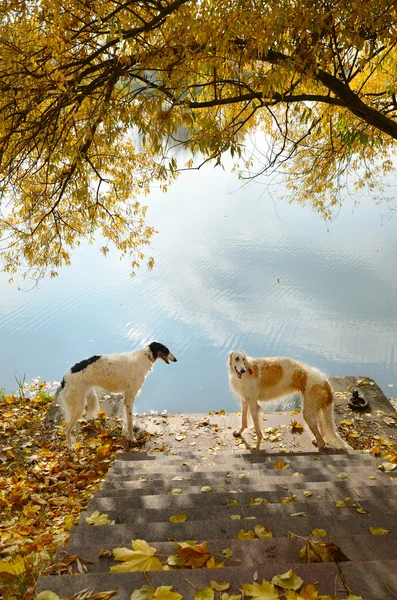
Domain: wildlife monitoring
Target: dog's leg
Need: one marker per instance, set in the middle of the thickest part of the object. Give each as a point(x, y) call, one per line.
point(311, 420)
point(244, 420)
point(255, 414)
point(91, 404)
point(76, 405)
point(129, 408)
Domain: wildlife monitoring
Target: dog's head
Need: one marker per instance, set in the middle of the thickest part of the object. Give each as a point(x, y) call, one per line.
point(238, 363)
point(160, 351)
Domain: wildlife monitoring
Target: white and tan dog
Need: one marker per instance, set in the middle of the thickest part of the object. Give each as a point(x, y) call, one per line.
point(119, 373)
point(264, 379)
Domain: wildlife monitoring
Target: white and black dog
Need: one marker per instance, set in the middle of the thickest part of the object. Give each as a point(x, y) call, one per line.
point(118, 373)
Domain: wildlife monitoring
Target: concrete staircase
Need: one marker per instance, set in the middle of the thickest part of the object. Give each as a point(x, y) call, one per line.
point(137, 495)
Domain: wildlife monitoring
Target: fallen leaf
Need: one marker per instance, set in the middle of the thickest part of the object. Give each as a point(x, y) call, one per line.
point(140, 558)
point(318, 533)
point(387, 467)
point(263, 533)
point(163, 592)
point(179, 438)
point(176, 491)
point(245, 535)
point(47, 595)
point(342, 475)
point(296, 426)
point(232, 503)
point(96, 518)
point(288, 499)
point(258, 501)
point(378, 531)
point(206, 593)
point(307, 493)
point(280, 465)
point(314, 552)
point(206, 489)
point(179, 518)
point(340, 504)
point(235, 517)
point(288, 580)
point(261, 591)
point(219, 587)
point(196, 554)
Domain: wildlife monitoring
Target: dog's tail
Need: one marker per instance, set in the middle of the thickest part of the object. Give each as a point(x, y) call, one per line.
point(91, 404)
point(328, 428)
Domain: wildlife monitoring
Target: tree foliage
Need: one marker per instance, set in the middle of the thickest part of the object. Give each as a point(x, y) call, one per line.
point(96, 96)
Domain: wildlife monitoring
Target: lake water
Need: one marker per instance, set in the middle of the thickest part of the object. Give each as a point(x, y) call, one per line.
point(235, 268)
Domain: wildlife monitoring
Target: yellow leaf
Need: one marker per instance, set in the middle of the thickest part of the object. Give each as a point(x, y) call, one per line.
point(261, 591)
point(258, 501)
point(206, 489)
point(179, 518)
point(307, 493)
point(226, 596)
point(232, 503)
point(245, 535)
point(14, 567)
point(47, 595)
point(235, 517)
point(340, 504)
point(378, 531)
point(342, 475)
point(288, 499)
point(318, 533)
point(288, 580)
point(96, 518)
point(68, 522)
point(387, 467)
point(263, 533)
point(164, 592)
point(141, 558)
point(176, 491)
point(280, 465)
point(206, 593)
point(219, 587)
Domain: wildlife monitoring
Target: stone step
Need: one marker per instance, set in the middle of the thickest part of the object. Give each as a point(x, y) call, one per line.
point(362, 578)
point(253, 553)
point(225, 456)
point(329, 492)
point(205, 477)
point(197, 513)
point(214, 528)
point(265, 484)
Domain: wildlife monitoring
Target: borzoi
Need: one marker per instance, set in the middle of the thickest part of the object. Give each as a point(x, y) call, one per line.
point(263, 379)
point(119, 373)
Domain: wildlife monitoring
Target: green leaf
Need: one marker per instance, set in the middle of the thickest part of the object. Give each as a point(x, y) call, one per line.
point(318, 533)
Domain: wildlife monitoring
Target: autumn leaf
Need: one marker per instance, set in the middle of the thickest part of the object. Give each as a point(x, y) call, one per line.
point(340, 504)
point(288, 580)
point(226, 596)
point(96, 518)
point(47, 595)
point(307, 493)
point(296, 425)
point(196, 554)
point(175, 491)
point(342, 475)
point(261, 591)
point(314, 552)
point(179, 518)
point(387, 467)
point(245, 535)
point(263, 533)
point(14, 567)
point(163, 592)
point(140, 558)
point(280, 465)
point(378, 531)
point(235, 517)
point(219, 587)
point(206, 489)
point(206, 593)
point(288, 499)
point(232, 503)
point(258, 501)
point(318, 533)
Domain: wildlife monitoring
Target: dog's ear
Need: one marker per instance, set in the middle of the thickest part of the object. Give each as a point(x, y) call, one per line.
point(230, 360)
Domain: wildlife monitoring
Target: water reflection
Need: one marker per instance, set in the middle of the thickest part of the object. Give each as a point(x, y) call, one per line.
point(215, 288)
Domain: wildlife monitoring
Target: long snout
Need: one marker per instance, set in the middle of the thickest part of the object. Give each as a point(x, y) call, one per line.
point(171, 357)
